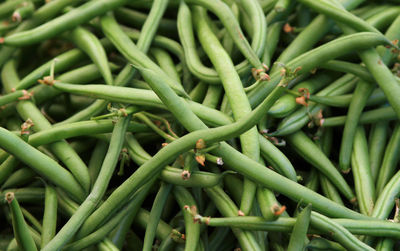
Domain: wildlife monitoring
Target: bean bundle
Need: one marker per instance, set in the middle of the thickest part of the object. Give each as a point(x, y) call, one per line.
point(199, 125)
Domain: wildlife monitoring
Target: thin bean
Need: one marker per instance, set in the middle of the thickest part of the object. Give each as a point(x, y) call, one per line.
point(364, 185)
point(329, 190)
point(20, 177)
point(362, 92)
point(300, 230)
point(390, 160)
point(155, 214)
point(372, 116)
point(99, 188)
point(187, 202)
point(49, 215)
point(21, 232)
point(234, 91)
point(91, 45)
point(311, 153)
point(63, 23)
point(376, 146)
point(41, 163)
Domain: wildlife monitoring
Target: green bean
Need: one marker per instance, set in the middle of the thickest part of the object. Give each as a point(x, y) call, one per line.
point(315, 57)
point(41, 163)
point(49, 215)
point(372, 116)
point(107, 245)
point(324, 244)
point(391, 33)
point(14, 96)
point(213, 96)
point(132, 52)
point(300, 229)
point(198, 92)
point(227, 207)
point(136, 19)
point(197, 178)
point(25, 10)
point(78, 129)
point(7, 167)
point(390, 160)
point(277, 159)
point(99, 188)
point(155, 214)
point(236, 96)
point(8, 7)
point(91, 45)
point(299, 118)
point(96, 159)
point(230, 23)
point(237, 161)
point(25, 195)
point(20, 177)
point(287, 103)
point(329, 190)
point(166, 63)
point(163, 229)
point(362, 92)
point(273, 34)
point(43, 14)
point(376, 147)
point(186, 35)
point(186, 202)
point(311, 153)
point(343, 66)
point(32, 220)
point(27, 109)
point(21, 232)
point(62, 23)
point(338, 232)
point(140, 97)
point(100, 234)
point(364, 185)
point(339, 15)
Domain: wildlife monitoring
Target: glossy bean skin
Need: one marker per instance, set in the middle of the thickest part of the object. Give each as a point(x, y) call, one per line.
point(49, 215)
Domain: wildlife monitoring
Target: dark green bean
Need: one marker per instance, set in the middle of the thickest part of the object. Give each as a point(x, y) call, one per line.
point(300, 230)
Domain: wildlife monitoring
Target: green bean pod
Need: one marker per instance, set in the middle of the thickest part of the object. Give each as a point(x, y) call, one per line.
point(62, 23)
point(155, 213)
point(329, 190)
point(390, 160)
point(372, 116)
point(41, 163)
point(49, 215)
point(91, 45)
point(197, 178)
point(364, 185)
point(21, 232)
point(234, 91)
point(99, 188)
point(20, 177)
point(376, 146)
point(299, 233)
point(230, 23)
point(311, 153)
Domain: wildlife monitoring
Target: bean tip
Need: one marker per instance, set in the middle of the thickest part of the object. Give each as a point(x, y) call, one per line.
point(9, 197)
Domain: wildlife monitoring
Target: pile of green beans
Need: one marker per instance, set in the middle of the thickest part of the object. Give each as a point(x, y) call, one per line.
point(199, 125)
